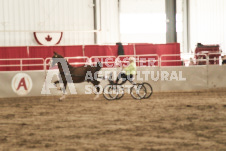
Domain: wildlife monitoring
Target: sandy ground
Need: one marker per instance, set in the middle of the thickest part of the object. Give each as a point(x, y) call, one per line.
point(167, 121)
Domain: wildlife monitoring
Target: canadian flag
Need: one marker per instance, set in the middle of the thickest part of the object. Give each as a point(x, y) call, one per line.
point(48, 38)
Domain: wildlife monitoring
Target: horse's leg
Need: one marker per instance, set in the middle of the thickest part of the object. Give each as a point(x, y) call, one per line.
point(96, 84)
point(64, 90)
point(55, 83)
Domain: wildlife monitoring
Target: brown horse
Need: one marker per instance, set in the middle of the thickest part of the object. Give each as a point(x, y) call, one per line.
point(76, 74)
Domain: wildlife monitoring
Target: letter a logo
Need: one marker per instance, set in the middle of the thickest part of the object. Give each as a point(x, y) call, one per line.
point(21, 84)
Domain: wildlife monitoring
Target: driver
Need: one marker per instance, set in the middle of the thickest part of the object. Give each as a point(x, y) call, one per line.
point(130, 72)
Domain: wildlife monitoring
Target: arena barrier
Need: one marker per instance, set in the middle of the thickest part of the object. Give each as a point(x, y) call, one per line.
point(21, 83)
point(216, 76)
point(171, 79)
point(84, 50)
point(189, 78)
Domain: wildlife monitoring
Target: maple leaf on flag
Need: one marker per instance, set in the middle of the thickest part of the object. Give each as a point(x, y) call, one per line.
point(48, 38)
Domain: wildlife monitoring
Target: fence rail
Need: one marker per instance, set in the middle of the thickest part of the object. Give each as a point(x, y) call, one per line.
point(21, 64)
point(141, 60)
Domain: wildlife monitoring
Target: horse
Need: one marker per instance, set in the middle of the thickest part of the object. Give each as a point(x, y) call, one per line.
point(78, 74)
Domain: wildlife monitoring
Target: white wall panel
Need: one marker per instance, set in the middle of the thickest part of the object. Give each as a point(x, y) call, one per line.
point(142, 21)
point(20, 18)
point(208, 25)
point(109, 22)
point(189, 82)
point(216, 76)
point(142, 6)
point(206, 77)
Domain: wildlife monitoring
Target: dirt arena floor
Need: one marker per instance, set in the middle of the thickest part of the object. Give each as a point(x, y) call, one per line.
point(167, 121)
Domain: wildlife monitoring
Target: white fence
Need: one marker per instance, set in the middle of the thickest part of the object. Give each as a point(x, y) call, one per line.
point(162, 78)
point(82, 60)
point(23, 62)
point(142, 60)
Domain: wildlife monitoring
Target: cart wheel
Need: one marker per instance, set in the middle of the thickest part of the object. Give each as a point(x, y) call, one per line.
point(149, 90)
point(120, 92)
point(138, 91)
point(110, 92)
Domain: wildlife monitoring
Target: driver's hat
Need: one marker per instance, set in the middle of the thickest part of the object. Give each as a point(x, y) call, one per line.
point(132, 59)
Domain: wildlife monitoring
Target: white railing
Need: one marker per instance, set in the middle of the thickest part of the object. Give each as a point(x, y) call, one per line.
point(197, 59)
point(150, 59)
point(142, 60)
point(104, 60)
point(215, 58)
point(47, 63)
point(201, 59)
point(171, 55)
point(86, 61)
point(21, 64)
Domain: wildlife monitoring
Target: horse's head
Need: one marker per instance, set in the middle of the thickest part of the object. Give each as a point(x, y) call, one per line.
point(55, 58)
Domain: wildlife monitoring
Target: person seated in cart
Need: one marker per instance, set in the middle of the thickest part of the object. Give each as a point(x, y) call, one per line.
point(128, 73)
